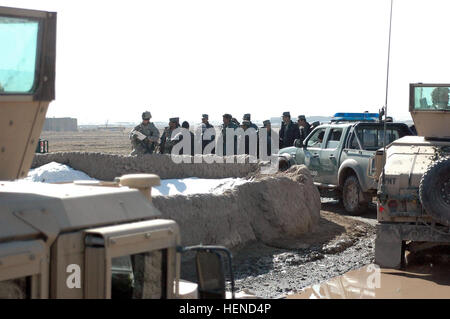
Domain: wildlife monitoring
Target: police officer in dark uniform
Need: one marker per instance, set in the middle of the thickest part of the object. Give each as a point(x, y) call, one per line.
point(167, 140)
point(185, 125)
point(289, 131)
point(304, 127)
point(268, 127)
point(205, 125)
point(245, 126)
point(228, 124)
point(247, 117)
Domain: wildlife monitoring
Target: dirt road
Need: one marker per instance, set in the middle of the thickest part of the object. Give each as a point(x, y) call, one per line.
point(339, 244)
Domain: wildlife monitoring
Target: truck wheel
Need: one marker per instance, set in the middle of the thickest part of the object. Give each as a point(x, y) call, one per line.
point(434, 191)
point(353, 198)
point(283, 165)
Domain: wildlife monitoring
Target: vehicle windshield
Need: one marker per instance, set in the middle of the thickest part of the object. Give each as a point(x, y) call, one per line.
point(139, 276)
point(431, 98)
point(18, 54)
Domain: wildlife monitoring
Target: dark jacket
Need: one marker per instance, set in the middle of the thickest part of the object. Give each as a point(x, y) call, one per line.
point(305, 130)
point(269, 143)
point(184, 152)
point(288, 134)
point(224, 137)
point(206, 142)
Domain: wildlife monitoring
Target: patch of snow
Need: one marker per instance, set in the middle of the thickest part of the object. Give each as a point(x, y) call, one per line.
point(59, 173)
point(56, 173)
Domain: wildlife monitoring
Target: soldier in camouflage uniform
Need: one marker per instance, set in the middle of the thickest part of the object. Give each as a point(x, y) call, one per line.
point(227, 123)
point(167, 139)
point(147, 145)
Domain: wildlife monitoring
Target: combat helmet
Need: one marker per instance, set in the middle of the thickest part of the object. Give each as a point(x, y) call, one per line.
point(146, 115)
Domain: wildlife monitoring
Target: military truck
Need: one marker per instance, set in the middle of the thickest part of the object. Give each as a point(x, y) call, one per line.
point(338, 154)
point(83, 239)
point(413, 206)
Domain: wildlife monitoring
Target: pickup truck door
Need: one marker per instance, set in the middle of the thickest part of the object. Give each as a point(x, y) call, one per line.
point(27, 85)
point(312, 152)
point(330, 155)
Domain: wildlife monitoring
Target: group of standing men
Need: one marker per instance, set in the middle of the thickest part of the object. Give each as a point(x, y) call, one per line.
point(290, 131)
point(146, 139)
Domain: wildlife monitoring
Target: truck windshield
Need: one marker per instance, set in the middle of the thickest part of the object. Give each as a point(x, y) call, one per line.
point(431, 98)
point(18, 54)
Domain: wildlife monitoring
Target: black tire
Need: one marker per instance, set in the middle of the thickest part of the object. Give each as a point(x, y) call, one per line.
point(283, 165)
point(354, 200)
point(434, 191)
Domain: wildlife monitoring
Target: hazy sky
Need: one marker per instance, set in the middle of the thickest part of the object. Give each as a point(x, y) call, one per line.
point(116, 59)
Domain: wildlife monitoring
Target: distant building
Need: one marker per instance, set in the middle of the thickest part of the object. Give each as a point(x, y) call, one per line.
point(61, 124)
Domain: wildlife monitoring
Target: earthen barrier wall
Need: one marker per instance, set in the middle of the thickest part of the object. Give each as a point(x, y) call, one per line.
point(108, 166)
point(281, 205)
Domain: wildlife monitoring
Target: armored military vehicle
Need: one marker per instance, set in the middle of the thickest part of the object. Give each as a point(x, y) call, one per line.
point(78, 240)
point(414, 186)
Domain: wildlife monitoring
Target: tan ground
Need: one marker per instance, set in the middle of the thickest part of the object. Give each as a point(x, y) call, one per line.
point(104, 141)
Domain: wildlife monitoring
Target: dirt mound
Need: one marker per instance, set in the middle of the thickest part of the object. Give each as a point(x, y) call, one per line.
point(286, 204)
point(108, 166)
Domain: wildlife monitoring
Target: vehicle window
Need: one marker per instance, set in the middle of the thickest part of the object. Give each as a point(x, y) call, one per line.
point(391, 136)
point(317, 138)
point(140, 276)
point(353, 142)
point(373, 138)
point(431, 98)
point(333, 138)
point(18, 54)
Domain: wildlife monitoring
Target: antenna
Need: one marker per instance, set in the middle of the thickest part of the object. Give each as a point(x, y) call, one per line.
point(387, 90)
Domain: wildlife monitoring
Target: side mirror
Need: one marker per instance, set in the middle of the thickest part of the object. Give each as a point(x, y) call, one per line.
point(210, 271)
point(298, 143)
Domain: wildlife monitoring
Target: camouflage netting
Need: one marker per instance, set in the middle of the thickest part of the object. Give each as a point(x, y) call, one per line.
point(283, 205)
point(108, 166)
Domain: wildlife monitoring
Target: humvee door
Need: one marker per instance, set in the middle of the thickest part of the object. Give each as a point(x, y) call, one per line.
point(27, 85)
